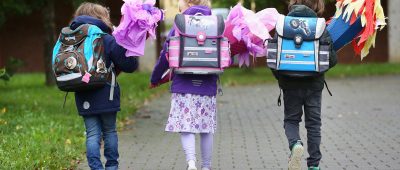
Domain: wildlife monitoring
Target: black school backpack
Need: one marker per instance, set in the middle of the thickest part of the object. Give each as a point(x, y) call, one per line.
point(79, 62)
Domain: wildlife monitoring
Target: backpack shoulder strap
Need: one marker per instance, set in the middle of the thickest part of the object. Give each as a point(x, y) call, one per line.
point(93, 33)
point(113, 82)
point(219, 85)
point(327, 88)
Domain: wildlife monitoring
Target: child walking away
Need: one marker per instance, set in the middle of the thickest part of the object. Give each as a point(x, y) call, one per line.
point(85, 58)
point(196, 52)
point(299, 55)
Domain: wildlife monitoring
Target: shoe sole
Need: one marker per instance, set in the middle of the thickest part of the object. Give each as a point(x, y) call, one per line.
point(192, 168)
point(295, 159)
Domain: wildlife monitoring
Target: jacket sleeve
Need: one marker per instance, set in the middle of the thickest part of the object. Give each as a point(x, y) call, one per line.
point(162, 64)
point(117, 55)
point(332, 54)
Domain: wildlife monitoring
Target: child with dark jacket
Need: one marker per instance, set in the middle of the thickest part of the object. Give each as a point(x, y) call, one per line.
point(304, 95)
point(98, 111)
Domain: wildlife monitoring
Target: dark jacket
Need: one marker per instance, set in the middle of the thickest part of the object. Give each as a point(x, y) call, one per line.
point(97, 101)
point(181, 83)
point(316, 83)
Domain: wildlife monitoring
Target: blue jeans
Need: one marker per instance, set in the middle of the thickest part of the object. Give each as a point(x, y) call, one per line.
point(97, 126)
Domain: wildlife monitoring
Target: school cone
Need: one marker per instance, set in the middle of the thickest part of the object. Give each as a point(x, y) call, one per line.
point(357, 21)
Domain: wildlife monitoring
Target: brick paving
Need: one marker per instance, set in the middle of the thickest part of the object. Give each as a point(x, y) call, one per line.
point(361, 124)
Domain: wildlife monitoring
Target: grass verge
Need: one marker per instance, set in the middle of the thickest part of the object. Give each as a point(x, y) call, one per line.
point(37, 133)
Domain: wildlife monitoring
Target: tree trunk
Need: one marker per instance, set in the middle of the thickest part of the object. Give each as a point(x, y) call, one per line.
point(160, 30)
point(253, 5)
point(49, 26)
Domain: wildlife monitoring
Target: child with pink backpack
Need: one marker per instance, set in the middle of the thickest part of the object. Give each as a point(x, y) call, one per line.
point(196, 53)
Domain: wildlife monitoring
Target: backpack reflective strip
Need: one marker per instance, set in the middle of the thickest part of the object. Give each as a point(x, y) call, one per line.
point(200, 59)
point(298, 52)
point(90, 63)
point(271, 60)
point(69, 77)
point(297, 62)
point(173, 47)
point(325, 63)
point(174, 58)
point(200, 48)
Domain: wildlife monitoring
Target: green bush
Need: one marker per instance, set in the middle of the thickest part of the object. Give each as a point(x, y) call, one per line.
point(11, 68)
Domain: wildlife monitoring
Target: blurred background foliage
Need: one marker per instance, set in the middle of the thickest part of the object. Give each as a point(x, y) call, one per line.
point(256, 5)
point(10, 69)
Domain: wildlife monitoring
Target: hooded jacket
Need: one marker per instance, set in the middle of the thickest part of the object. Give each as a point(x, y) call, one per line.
point(97, 101)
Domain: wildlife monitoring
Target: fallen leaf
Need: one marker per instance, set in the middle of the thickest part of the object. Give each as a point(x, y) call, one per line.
point(18, 127)
point(68, 142)
point(4, 110)
point(3, 122)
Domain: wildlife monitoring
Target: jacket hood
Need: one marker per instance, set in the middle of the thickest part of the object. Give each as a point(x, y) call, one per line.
point(84, 19)
point(302, 11)
point(198, 9)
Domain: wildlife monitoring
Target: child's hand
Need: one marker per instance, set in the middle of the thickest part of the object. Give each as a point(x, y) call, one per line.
point(152, 86)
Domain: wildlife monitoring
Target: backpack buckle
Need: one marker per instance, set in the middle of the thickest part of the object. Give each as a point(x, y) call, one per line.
point(101, 66)
point(201, 38)
point(298, 40)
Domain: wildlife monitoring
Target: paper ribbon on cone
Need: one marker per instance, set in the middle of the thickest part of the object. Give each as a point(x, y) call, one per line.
point(247, 31)
point(139, 21)
point(358, 20)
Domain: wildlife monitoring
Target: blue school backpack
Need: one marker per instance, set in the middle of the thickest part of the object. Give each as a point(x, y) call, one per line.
point(296, 49)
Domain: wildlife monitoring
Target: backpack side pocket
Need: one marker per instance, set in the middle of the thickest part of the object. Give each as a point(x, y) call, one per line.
point(272, 52)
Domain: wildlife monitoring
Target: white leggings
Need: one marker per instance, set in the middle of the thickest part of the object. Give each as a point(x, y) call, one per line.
point(206, 144)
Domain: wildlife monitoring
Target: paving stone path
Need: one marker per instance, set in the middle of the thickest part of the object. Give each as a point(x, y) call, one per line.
point(361, 130)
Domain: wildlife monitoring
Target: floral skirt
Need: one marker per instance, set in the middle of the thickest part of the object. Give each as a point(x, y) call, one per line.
point(192, 113)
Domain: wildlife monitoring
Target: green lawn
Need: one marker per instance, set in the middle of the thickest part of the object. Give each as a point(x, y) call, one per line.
point(36, 133)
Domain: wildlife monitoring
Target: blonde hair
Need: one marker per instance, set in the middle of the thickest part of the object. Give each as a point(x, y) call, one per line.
point(317, 5)
point(95, 10)
point(198, 2)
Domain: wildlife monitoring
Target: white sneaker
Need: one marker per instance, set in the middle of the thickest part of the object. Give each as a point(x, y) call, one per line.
point(205, 168)
point(191, 165)
point(295, 157)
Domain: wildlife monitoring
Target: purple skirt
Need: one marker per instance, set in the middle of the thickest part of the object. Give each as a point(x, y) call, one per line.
point(192, 113)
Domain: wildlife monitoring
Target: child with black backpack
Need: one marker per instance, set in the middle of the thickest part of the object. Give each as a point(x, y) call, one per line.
point(299, 55)
point(84, 61)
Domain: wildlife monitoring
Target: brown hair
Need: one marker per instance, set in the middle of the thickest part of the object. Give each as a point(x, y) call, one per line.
point(95, 10)
point(317, 5)
point(199, 2)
